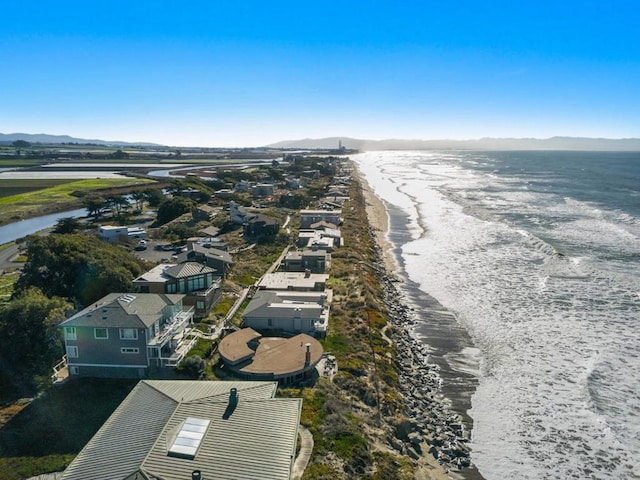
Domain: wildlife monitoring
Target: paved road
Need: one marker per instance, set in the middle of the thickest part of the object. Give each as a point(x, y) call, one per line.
point(5, 258)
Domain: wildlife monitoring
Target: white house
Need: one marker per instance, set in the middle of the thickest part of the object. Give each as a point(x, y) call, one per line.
point(113, 233)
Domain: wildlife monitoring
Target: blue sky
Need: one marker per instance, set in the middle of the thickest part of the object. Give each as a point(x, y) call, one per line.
point(249, 73)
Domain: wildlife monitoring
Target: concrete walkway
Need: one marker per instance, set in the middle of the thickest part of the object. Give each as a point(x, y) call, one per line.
point(306, 448)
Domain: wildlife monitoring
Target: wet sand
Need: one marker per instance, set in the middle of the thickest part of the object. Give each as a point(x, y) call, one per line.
point(434, 326)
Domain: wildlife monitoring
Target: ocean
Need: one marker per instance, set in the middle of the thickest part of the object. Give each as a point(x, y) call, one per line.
point(536, 255)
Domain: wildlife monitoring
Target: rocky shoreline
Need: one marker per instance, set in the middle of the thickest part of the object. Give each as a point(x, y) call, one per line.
point(432, 429)
point(437, 431)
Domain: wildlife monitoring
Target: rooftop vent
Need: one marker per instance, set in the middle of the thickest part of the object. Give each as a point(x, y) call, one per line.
point(189, 438)
point(233, 397)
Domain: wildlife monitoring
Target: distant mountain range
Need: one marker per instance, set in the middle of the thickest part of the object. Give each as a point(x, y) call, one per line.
point(56, 139)
point(554, 143)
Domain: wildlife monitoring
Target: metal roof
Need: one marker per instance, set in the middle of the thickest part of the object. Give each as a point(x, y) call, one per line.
point(188, 269)
point(254, 440)
point(123, 442)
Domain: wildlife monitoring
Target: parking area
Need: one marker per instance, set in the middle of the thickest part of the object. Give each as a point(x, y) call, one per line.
point(154, 254)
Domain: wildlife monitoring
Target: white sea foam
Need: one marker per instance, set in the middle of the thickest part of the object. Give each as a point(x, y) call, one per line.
point(551, 303)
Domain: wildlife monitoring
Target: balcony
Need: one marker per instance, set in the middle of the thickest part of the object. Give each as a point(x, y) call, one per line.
point(179, 323)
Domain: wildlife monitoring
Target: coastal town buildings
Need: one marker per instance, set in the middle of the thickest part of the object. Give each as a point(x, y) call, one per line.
point(205, 253)
point(201, 284)
point(112, 233)
point(289, 311)
point(309, 217)
point(123, 335)
point(315, 261)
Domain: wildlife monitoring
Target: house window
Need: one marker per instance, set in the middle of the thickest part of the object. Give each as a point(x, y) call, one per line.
point(270, 323)
point(128, 334)
point(195, 283)
point(72, 351)
point(129, 350)
point(171, 288)
point(100, 333)
point(70, 333)
point(200, 305)
point(74, 370)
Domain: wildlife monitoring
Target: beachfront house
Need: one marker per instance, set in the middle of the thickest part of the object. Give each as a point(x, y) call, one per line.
point(309, 217)
point(194, 430)
point(220, 260)
point(252, 356)
point(200, 284)
point(123, 335)
point(315, 261)
point(289, 311)
point(294, 281)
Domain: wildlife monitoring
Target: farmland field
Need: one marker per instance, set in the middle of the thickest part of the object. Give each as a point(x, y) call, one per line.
point(11, 187)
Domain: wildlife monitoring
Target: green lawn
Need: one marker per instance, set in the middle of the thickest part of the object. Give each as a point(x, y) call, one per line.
point(24, 204)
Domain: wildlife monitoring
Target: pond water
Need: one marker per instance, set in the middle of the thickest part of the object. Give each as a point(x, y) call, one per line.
point(15, 230)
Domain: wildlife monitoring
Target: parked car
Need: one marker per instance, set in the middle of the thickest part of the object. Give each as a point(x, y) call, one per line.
point(142, 245)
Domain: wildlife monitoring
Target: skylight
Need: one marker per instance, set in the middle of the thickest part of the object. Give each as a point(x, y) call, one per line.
point(189, 438)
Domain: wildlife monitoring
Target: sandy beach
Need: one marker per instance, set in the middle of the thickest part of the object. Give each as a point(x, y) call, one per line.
point(435, 327)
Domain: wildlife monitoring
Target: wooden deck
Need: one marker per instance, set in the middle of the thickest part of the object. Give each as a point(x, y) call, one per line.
point(60, 372)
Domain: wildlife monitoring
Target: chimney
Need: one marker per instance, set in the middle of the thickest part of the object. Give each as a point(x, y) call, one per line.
point(307, 355)
point(233, 397)
point(196, 475)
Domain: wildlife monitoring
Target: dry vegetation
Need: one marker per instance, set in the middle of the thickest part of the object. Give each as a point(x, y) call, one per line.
point(352, 416)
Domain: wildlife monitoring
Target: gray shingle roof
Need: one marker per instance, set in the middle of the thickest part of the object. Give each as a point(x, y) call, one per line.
point(256, 441)
point(124, 310)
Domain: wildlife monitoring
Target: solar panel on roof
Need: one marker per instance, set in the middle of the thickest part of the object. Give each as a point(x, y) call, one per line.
point(189, 438)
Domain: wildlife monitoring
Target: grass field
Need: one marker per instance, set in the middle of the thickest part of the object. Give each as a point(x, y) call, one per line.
point(49, 198)
point(18, 186)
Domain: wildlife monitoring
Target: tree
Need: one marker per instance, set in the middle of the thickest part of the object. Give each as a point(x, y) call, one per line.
point(80, 267)
point(193, 366)
point(117, 203)
point(29, 339)
point(139, 198)
point(120, 155)
point(153, 196)
point(173, 208)
point(180, 232)
point(95, 205)
point(21, 144)
point(67, 225)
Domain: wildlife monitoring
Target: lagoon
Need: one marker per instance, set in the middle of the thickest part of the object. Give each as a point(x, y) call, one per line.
point(15, 230)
